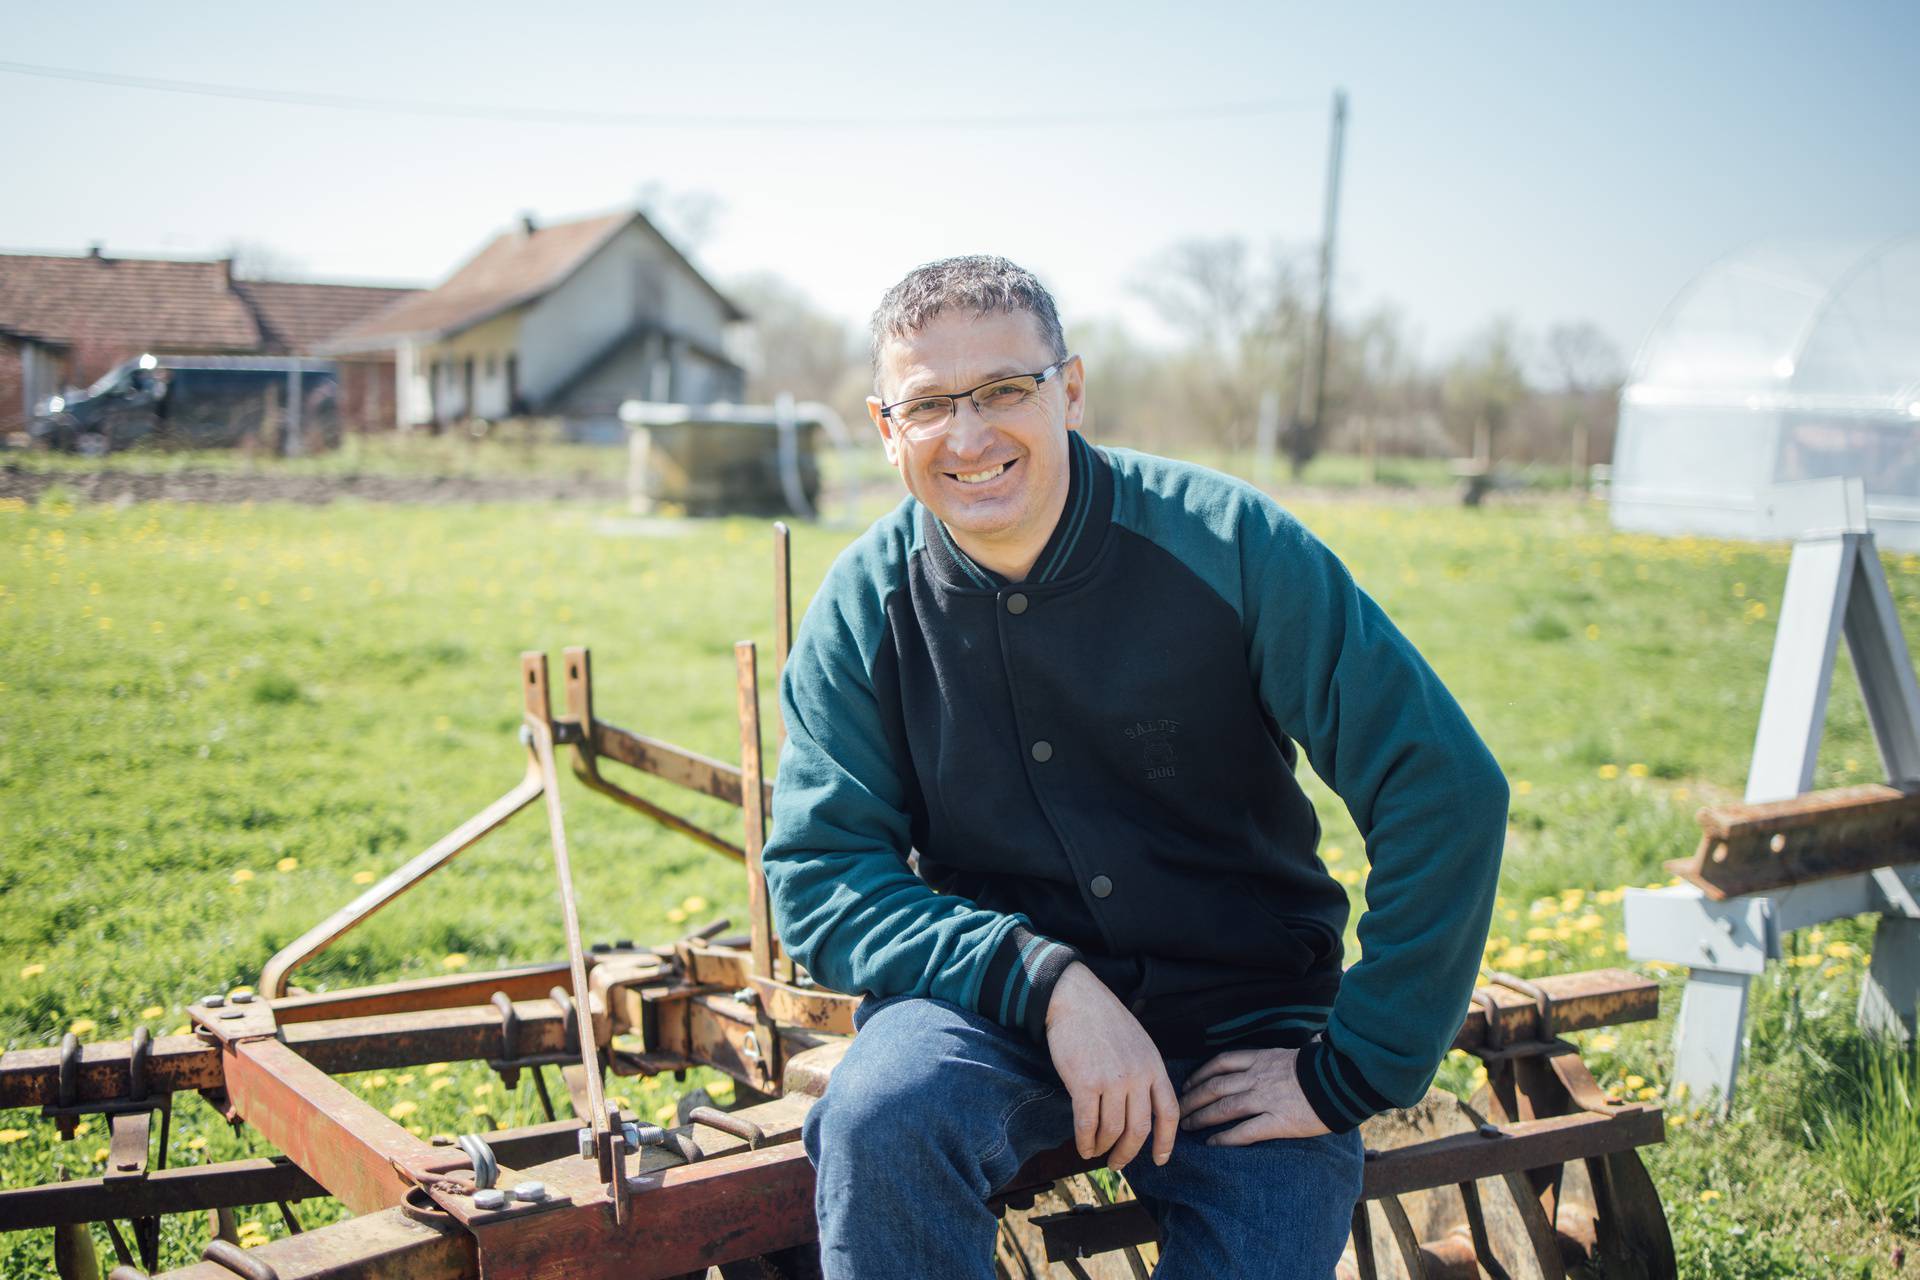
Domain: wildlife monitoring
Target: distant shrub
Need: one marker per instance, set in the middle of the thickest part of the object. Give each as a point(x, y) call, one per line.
point(275, 688)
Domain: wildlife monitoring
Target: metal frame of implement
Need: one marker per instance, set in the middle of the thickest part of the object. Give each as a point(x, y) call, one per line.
point(602, 1195)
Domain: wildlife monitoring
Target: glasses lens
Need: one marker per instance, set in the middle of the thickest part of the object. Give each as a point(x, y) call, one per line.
point(1007, 397)
point(923, 417)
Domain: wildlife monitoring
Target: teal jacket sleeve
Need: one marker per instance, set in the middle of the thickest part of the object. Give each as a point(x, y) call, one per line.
point(845, 902)
point(1425, 793)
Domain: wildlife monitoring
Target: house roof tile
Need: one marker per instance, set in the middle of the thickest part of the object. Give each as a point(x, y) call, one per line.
point(515, 267)
point(142, 301)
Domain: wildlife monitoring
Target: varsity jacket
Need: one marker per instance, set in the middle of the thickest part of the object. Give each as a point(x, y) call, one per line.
point(984, 781)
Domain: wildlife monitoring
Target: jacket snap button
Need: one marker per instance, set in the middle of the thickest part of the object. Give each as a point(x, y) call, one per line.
point(1043, 751)
point(1016, 603)
point(1101, 886)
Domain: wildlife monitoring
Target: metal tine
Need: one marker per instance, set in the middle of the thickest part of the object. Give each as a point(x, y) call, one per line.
point(608, 1137)
point(1403, 1237)
point(1477, 1230)
point(1546, 1245)
point(1363, 1243)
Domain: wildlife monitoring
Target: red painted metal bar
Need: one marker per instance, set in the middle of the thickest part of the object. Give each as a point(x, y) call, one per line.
point(340, 1141)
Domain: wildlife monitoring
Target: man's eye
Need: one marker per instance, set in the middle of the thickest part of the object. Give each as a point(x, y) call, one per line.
point(924, 410)
point(1005, 395)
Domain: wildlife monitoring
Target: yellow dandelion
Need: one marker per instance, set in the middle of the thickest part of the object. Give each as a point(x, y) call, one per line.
point(435, 1068)
point(82, 1129)
point(1589, 922)
point(1609, 771)
point(286, 864)
point(376, 1082)
point(184, 1029)
point(196, 1144)
point(1523, 788)
point(1676, 1120)
point(1636, 770)
point(32, 970)
point(159, 628)
point(454, 960)
point(1839, 950)
point(100, 1155)
point(1709, 1196)
point(675, 915)
point(663, 1115)
point(153, 1011)
point(106, 624)
point(403, 1108)
point(442, 723)
point(11, 1135)
point(1593, 631)
point(442, 1083)
point(722, 1092)
point(82, 1026)
point(1648, 1094)
point(478, 1110)
point(404, 1078)
point(1333, 853)
point(1634, 1082)
point(694, 905)
point(241, 875)
point(1603, 1043)
point(1536, 956)
point(481, 1090)
point(363, 877)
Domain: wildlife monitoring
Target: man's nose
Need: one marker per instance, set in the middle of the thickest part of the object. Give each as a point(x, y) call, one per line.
point(967, 432)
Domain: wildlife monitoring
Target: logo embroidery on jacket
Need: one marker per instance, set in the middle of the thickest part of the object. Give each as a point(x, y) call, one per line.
point(1156, 744)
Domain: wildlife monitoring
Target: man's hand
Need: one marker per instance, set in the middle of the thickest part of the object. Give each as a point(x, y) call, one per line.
point(1112, 1070)
point(1255, 1086)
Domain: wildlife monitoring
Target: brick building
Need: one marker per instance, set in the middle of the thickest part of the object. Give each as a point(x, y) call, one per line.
point(65, 321)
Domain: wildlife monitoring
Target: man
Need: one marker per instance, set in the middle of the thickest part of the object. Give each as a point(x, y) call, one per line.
point(1072, 680)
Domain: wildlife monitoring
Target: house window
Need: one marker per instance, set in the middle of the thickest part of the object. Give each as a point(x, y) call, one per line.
point(490, 367)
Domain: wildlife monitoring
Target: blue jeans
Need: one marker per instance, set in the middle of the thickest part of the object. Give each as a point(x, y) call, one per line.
point(934, 1107)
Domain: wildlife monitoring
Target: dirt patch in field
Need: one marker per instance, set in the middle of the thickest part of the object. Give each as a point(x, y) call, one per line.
point(313, 490)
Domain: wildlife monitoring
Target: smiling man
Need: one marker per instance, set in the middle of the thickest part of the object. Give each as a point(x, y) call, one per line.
point(1073, 680)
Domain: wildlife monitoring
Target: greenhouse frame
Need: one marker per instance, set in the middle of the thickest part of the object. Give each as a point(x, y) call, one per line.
point(1781, 363)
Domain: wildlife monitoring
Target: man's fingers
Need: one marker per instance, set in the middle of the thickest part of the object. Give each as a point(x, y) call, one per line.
point(1235, 1060)
point(1233, 1107)
point(1220, 1086)
point(1139, 1125)
point(1086, 1121)
point(1113, 1119)
point(1166, 1118)
point(1257, 1129)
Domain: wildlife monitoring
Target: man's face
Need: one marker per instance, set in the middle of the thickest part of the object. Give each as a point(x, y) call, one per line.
point(1000, 486)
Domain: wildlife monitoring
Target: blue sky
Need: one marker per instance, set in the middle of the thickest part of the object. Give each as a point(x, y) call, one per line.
point(1547, 162)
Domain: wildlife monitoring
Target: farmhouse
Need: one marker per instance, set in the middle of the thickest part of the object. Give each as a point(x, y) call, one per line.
point(565, 321)
point(66, 320)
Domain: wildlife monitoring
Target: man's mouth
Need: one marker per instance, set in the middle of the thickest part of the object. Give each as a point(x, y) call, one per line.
point(980, 477)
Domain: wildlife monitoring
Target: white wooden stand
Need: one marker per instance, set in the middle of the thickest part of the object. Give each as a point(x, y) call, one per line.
point(1835, 587)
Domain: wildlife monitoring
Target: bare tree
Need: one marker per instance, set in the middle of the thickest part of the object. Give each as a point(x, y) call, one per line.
point(258, 260)
point(688, 218)
point(794, 346)
point(1485, 388)
point(1244, 327)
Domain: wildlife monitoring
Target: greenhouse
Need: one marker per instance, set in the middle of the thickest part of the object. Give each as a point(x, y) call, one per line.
point(1783, 362)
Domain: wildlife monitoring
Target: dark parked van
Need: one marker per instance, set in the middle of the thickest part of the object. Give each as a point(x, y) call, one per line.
point(199, 402)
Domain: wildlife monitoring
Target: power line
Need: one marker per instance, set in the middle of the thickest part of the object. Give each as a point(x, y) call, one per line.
point(651, 119)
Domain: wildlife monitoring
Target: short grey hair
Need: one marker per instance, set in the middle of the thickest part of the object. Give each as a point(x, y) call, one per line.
point(980, 282)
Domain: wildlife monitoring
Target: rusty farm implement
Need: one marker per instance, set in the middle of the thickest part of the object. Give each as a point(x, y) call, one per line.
point(1537, 1176)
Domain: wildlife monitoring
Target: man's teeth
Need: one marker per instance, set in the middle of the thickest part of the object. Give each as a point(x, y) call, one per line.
point(978, 477)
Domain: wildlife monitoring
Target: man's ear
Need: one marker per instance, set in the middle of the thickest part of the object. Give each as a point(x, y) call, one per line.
point(1073, 379)
point(885, 428)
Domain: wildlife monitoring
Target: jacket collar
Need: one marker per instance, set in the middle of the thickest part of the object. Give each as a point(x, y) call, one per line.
point(1075, 542)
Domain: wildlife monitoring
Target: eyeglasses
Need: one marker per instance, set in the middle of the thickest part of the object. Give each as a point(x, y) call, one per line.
point(1001, 400)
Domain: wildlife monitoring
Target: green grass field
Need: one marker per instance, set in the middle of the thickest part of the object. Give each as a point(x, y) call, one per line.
point(217, 722)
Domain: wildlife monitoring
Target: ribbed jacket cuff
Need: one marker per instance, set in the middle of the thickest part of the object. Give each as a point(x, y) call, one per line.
point(1334, 1087)
point(1020, 977)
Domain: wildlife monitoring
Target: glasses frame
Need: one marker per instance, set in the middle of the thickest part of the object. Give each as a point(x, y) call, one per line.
point(1040, 379)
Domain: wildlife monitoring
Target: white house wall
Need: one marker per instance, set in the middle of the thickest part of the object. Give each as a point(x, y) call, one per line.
point(633, 279)
point(490, 346)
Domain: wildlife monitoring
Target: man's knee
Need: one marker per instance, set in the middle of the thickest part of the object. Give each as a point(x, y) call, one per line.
point(921, 1077)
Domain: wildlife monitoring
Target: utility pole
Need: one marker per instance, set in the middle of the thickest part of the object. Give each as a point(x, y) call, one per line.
point(1312, 401)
